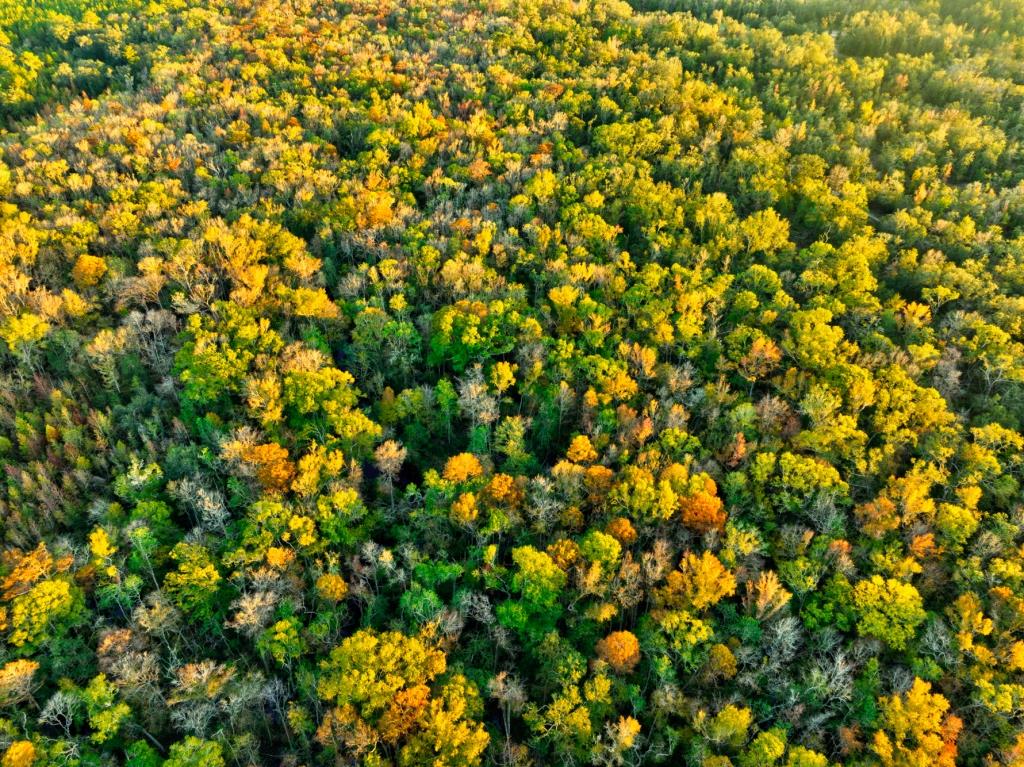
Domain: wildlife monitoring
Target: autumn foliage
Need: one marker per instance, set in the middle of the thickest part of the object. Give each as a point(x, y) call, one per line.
point(620, 650)
point(511, 383)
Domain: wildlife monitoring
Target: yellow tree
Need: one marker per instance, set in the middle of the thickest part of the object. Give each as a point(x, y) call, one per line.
point(620, 650)
point(916, 730)
point(16, 681)
point(700, 582)
point(21, 753)
point(388, 703)
point(48, 606)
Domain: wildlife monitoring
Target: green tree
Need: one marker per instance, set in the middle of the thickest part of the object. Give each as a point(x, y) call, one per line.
point(888, 609)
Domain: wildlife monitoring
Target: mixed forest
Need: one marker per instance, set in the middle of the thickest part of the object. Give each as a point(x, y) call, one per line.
point(511, 383)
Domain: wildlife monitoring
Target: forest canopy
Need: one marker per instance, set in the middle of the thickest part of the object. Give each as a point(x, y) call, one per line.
point(446, 383)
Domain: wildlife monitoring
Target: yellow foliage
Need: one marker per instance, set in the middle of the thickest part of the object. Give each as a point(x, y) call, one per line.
point(32, 612)
point(502, 488)
point(27, 570)
point(915, 729)
point(16, 680)
point(563, 296)
point(313, 303)
point(721, 663)
point(263, 396)
point(448, 735)
point(21, 753)
point(625, 732)
point(74, 305)
point(464, 508)
point(379, 684)
point(969, 620)
point(620, 650)
point(274, 470)
point(597, 480)
point(279, 557)
point(1015, 656)
point(889, 610)
point(332, 587)
point(700, 582)
point(368, 669)
point(88, 270)
point(316, 467)
point(729, 726)
point(602, 612)
point(22, 331)
point(581, 450)
point(462, 467)
point(100, 545)
point(303, 528)
point(503, 376)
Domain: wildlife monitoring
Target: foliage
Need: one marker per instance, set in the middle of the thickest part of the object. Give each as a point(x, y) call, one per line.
point(511, 382)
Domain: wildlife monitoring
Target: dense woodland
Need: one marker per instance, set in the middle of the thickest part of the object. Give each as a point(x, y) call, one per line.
point(442, 383)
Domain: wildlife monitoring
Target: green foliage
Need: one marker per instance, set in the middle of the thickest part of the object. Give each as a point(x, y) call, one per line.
point(283, 640)
point(888, 609)
point(193, 585)
point(106, 715)
point(537, 578)
point(195, 752)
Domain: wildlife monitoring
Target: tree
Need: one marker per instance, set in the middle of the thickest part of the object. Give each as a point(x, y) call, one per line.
point(538, 578)
point(888, 609)
point(915, 729)
point(24, 333)
point(602, 549)
point(195, 752)
point(46, 611)
point(704, 511)
point(667, 352)
point(728, 727)
point(620, 650)
point(274, 470)
point(765, 596)
point(814, 342)
point(16, 681)
point(106, 715)
point(684, 634)
point(332, 587)
point(194, 585)
point(581, 450)
point(283, 641)
point(700, 582)
point(21, 753)
point(804, 757)
point(620, 738)
point(539, 581)
point(767, 748)
point(450, 735)
point(386, 695)
point(88, 270)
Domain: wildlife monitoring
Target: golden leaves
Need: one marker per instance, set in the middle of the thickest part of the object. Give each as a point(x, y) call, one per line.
point(274, 470)
point(620, 650)
point(16, 681)
point(462, 467)
point(916, 730)
point(700, 582)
